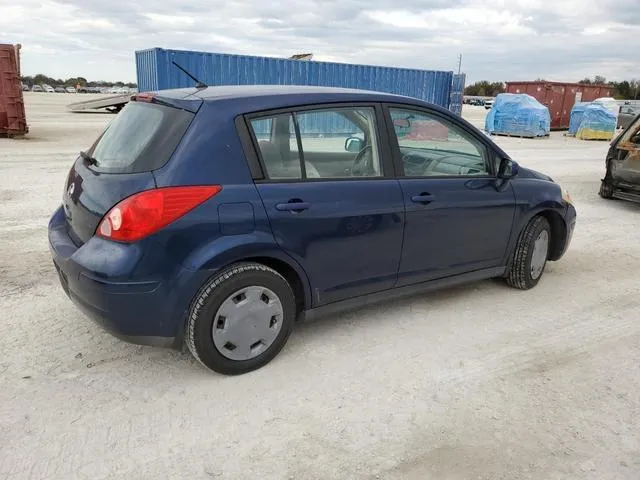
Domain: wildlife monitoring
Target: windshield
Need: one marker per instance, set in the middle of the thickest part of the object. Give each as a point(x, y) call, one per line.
point(141, 138)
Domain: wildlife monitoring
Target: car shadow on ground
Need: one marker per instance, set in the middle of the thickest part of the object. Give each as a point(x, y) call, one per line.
point(322, 329)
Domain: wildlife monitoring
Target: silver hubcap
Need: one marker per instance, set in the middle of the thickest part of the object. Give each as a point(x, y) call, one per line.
point(539, 257)
point(247, 323)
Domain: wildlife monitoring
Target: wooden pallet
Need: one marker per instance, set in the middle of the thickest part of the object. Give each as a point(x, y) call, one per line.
point(519, 136)
point(594, 139)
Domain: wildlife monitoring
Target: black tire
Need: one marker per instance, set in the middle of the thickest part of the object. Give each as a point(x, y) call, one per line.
point(207, 301)
point(519, 274)
point(606, 190)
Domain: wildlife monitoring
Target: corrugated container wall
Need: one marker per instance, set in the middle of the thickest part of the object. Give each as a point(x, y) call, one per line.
point(457, 93)
point(12, 116)
point(155, 71)
point(560, 97)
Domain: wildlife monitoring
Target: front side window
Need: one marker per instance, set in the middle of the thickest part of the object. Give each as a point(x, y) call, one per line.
point(313, 144)
point(429, 146)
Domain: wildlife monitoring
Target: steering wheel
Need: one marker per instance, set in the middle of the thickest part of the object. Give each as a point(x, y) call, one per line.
point(361, 165)
point(436, 161)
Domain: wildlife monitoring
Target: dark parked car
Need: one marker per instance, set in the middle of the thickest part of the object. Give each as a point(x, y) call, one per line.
point(622, 165)
point(626, 116)
point(216, 217)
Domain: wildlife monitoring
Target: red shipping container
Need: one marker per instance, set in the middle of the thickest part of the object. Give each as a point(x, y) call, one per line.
point(428, 130)
point(12, 117)
point(560, 97)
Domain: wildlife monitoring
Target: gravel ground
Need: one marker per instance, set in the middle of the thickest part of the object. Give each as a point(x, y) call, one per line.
point(481, 381)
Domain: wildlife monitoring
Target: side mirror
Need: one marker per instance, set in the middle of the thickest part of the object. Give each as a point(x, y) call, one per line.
point(353, 144)
point(507, 169)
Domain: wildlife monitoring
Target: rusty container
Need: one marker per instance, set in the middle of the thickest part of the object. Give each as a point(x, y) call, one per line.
point(560, 97)
point(12, 117)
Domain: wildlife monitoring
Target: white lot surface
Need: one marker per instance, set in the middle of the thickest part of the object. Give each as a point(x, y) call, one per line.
point(477, 382)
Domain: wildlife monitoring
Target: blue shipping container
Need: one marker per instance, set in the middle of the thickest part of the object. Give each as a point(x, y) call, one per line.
point(155, 71)
point(457, 93)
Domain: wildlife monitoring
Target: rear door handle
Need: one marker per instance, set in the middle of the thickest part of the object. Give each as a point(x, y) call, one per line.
point(293, 206)
point(423, 198)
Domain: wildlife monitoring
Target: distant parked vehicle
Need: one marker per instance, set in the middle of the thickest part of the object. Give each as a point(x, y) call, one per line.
point(37, 88)
point(70, 90)
point(488, 103)
point(89, 90)
point(60, 90)
point(48, 89)
point(622, 169)
point(626, 116)
point(25, 87)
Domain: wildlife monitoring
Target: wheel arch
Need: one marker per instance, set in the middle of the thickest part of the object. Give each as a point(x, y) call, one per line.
point(558, 232)
point(219, 256)
point(299, 285)
point(272, 258)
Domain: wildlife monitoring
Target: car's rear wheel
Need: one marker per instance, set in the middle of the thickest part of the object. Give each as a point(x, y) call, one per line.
point(241, 319)
point(530, 256)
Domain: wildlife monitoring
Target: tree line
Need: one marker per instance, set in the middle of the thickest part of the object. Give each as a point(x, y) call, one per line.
point(625, 90)
point(41, 79)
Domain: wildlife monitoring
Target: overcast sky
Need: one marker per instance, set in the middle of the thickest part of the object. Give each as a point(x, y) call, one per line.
point(500, 40)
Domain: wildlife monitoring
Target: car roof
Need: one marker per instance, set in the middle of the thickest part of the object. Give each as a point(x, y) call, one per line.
point(243, 91)
point(248, 98)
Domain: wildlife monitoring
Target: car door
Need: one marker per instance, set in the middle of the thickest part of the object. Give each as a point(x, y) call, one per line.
point(624, 158)
point(330, 196)
point(458, 218)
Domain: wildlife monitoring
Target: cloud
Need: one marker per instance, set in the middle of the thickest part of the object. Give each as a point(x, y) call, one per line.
point(499, 39)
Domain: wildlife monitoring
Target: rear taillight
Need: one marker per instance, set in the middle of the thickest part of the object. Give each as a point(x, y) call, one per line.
point(146, 212)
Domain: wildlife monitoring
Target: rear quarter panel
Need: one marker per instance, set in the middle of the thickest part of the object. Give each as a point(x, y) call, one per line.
point(231, 226)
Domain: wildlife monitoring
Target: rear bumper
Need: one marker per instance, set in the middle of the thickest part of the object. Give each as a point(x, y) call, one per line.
point(100, 278)
point(112, 311)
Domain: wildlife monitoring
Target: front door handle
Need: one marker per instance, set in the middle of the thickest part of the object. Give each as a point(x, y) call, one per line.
point(423, 198)
point(293, 207)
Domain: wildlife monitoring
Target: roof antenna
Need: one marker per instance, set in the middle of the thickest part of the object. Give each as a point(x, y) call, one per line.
point(199, 84)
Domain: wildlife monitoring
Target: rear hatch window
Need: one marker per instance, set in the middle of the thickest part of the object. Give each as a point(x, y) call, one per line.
point(141, 138)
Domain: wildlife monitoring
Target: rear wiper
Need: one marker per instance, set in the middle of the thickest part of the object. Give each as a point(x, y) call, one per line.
point(88, 158)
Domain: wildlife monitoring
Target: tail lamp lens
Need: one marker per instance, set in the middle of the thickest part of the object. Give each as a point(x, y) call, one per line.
point(145, 213)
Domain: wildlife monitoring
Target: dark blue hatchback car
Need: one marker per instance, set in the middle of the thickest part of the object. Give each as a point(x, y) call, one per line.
point(216, 217)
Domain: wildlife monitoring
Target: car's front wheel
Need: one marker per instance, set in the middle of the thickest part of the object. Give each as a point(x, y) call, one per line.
point(241, 319)
point(606, 189)
point(530, 256)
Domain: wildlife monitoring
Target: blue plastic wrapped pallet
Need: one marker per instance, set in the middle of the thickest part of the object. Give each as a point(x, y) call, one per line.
point(577, 113)
point(598, 123)
point(156, 71)
point(518, 114)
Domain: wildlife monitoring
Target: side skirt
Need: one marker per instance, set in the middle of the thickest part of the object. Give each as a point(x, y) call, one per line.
point(395, 293)
point(627, 195)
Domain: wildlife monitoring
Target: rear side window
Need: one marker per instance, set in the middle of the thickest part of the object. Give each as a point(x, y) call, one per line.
point(141, 138)
point(331, 143)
